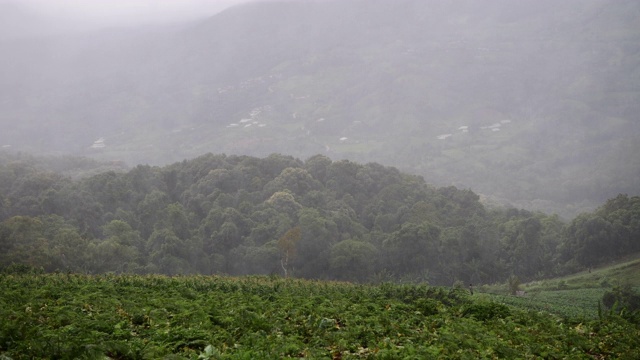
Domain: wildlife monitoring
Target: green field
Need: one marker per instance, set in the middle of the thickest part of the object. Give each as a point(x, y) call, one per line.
point(575, 304)
point(68, 316)
point(625, 272)
point(574, 296)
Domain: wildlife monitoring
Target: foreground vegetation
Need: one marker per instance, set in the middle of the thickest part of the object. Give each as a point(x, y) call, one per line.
point(67, 316)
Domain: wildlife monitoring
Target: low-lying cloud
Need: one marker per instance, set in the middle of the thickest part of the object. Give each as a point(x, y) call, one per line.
point(105, 13)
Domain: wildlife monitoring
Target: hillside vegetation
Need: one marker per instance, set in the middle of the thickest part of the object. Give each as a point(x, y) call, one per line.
point(520, 101)
point(579, 295)
point(279, 215)
point(625, 272)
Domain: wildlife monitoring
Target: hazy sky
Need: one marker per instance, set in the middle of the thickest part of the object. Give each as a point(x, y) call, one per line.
point(127, 12)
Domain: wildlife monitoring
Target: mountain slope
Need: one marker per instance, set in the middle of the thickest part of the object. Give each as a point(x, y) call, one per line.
point(532, 103)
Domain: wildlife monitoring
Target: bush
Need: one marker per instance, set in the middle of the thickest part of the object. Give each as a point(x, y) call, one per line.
point(513, 282)
point(625, 300)
point(624, 296)
point(486, 311)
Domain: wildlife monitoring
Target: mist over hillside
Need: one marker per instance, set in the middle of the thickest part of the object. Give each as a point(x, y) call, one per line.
point(533, 103)
point(318, 218)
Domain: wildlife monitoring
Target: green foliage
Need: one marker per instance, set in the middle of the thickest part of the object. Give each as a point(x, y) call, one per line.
point(68, 316)
point(573, 304)
point(625, 300)
point(622, 272)
point(610, 232)
point(513, 284)
point(351, 259)
point(578, 296)
point(287, 245)
point(486, 311)
point(225, 214)
point(21, 269)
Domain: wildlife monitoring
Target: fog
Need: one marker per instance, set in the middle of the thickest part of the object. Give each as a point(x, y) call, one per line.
point(67, 15)
point(519, 101)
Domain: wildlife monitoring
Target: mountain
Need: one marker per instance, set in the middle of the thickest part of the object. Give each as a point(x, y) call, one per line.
point(531, 103)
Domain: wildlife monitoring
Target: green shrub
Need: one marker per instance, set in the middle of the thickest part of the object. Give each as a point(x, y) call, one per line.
point(427, 306)
point(625, 300)
point(513, 282)
point(486, 311)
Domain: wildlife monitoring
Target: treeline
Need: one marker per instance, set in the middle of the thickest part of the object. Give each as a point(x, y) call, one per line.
point(279, 215)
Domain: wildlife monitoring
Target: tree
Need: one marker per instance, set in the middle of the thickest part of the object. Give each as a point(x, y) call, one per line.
point(588, 240)
point(521, 242)
point(150, 211)
point(119, 251)
point(273, 165)
point(318, 233)
point(295, 180)
point(22, 241)
point(174, 217)
point(284, 202)
point(256, 259)
point(341, 177)
point(317, 166)
point(109, 255)
point(70, 251)
point(287, 245)
point(122, 233)
point(413, 248)
point(513, 283)
point(353, 259)
point(226, 238)
point(168, 253)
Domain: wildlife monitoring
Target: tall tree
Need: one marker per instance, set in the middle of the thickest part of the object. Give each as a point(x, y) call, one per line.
point(287, 245)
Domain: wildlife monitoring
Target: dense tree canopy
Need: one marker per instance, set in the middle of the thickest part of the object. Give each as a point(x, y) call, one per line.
point(317, 219)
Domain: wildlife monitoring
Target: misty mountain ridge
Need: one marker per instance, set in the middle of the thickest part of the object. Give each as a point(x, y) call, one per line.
point(532, 103)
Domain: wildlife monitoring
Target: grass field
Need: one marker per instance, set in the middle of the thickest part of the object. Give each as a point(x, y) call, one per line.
point(575, 304)
point(576, 295)
point(625, 272)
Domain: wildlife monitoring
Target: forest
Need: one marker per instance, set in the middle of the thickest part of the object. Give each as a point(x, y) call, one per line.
point(279, 215)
